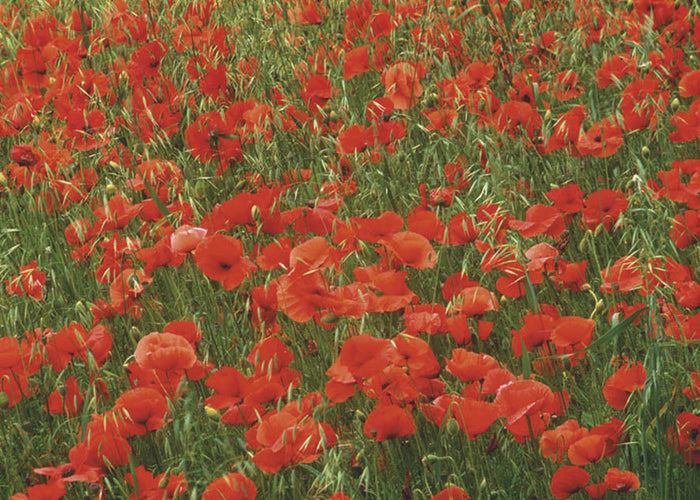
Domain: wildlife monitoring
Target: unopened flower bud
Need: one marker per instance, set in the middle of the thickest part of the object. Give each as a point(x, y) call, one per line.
point(4, 401)
point(329, 319)
point(255, 213)
point(452, 427)
point(675, 104)
point(212, 413)
point(110, 189)
point(645, 152)
point(163, 483)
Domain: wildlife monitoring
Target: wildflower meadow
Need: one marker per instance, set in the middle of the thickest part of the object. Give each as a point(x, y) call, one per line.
point(349, 249)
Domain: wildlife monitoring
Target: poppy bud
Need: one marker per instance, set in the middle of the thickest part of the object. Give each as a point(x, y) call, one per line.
point(630, 4)
point(3, 180)
point(645, 152)
point(110, 189)
point(584, 246)
point(4, 401)
point(452, 427)
point(212, 413)
point(333, 116)
point(599, 230)
point(548, 115)
point(675, 104)
point(586, 287)
point(329, 319)
point(481, 105)
point(163, 483)
point(79, 307)
point(255, 213)
point(429, 459)
point(200, 190)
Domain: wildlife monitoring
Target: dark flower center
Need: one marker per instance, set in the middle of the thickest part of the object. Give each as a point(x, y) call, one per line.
point(68, 472)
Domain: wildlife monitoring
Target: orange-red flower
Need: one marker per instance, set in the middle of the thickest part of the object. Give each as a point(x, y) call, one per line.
point(568, 480)
point(402, 83)
point(233, 486)
point(221, 258)
point(623, 383)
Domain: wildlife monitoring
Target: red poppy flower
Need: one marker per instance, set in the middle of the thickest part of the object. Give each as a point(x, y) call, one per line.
point(568, 199)
point(588, 449)
point(619, 387)
point(516, 117)
point(317, 92)
point(164, 351)
point(622, 481)
point(67, 400)
point(210, 137)
point(163, 486)
point(685, 229)
point(566, 86)
point(356, 62)
point(66, 344)
point(536, 330)
point(623, 276)
point(233, 486)
point(409, 249)
point(527, 406)
point(30, 281)
point(79, 469)
point(554, 444)
point(687, 124)
point(539, 219)
point(689, 86)
point(685, 438)
point(603, 139)
point(145, 61)
point(474, 417)
point(469, 366)
point(221, 258)
point(614, 68)
point(603, 207)
point(139, 411)
point(568, 480)
point(641, 103)
point(402, 83)
point(573, 331)
point(353, 140)
point(567, 130)
point(87, 129)
point(451, 493)
point(475, 301)
point(299, 294)
point(389, 421)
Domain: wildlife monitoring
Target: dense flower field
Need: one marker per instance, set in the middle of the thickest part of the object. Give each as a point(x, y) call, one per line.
point(418, 249)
